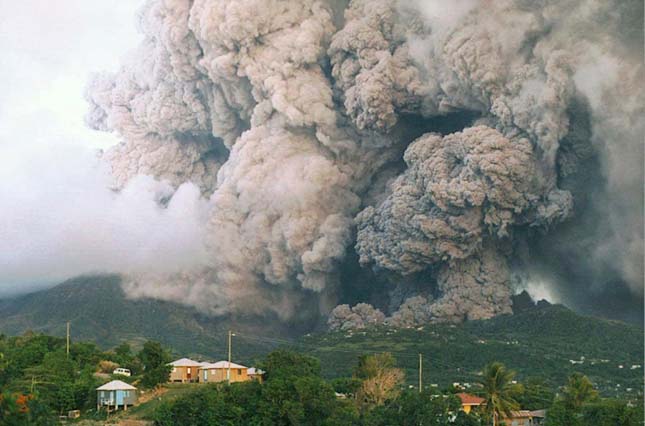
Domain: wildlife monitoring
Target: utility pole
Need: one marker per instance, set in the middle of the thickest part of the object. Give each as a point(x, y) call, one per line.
point(67, 339)
point(228, 372)
point(420, 372)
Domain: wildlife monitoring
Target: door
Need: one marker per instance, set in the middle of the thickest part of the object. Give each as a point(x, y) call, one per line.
point(205, 375)
point(119, 397)
point(188, 374)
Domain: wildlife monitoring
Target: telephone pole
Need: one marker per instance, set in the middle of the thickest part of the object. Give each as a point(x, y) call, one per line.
point(420, 372)
point(228, 372)
point(67, 339)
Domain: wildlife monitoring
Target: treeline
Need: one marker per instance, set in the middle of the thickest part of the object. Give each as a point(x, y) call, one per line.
point(294, 393)
point(39, 380)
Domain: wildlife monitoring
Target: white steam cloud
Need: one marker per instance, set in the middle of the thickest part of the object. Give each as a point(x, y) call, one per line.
point(68, 222)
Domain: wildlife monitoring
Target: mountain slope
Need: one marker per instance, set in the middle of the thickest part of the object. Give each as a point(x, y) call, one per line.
point(549, 342)
point(538, 341)
point(98, 311)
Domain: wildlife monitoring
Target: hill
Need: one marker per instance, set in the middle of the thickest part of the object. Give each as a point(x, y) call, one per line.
point(547, 341)
point(98, 311)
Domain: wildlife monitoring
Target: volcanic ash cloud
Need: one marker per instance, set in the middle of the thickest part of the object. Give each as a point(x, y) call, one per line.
point(318, 128)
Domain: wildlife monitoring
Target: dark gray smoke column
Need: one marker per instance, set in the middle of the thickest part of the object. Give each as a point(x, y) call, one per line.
point(293, 122)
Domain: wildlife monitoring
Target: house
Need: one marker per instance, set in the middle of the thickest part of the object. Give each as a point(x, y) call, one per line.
point(116, 394)
point(185, 370)
point(538, 417)
point(218, 372)
point(255, 374)
point(468, 401)
point(524, 418)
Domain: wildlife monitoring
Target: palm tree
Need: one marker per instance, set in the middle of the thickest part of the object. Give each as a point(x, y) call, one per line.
point(497, 382)
point(578, 390)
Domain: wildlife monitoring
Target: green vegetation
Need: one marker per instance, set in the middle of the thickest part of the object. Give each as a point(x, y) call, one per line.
point(499, 392)
point(99, 312)
point(548, 347)
point(40, 380)
point(539, 344)
point(296, 394)
point(580, 405)
point(155, 364)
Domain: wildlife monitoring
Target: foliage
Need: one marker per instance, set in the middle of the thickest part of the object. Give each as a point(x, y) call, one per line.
point(155, 364)
point(381, 380)
point(346, 385)
point(578, 391)
point(499, 391)
point(38, 368)
point(412, 408)
point(285, 364)
point(580, 405)
point(611, 412)
point(293, 394)
point(535, 394)
point(539, 342)
point(18, 410)
point(103, 314)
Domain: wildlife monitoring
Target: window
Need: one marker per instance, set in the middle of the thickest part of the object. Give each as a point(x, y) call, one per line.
point(239, 371)
point(188, 370)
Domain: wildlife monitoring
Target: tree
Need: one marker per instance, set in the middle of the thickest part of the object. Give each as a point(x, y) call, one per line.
point(283, 363)
point(611, 412)
point(412, 408)
point(536, 395)
point(123, 352)
point(498, 391)
point(155, 363)
point(381, 380)
point(560, 415)
point(125, 358)
point(294, 393)
point(578, 391)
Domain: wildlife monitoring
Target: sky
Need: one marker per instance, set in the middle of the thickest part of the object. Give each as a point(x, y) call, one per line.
point(58, 217)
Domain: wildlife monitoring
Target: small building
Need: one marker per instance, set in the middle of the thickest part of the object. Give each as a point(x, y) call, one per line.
point(185, 370)
point(538, 417)
point(468, 401)
point(218, 372)
point(524, 418)
point(115, 394)
point(255, 374)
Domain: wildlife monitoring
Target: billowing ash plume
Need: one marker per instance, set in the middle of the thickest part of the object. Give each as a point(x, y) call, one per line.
point(293, 118)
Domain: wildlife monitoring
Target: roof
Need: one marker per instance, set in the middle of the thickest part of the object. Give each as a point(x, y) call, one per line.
point(220, 364)
point(538, 413)
point(520, 414)
point(116, 385)
point(254, 371)
point(468, 399)
point(185, 362)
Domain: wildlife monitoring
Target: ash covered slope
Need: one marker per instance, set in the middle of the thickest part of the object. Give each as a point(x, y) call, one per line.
point(313, 129)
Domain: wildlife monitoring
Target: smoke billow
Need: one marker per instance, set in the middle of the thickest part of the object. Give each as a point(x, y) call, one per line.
point(317, 128)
